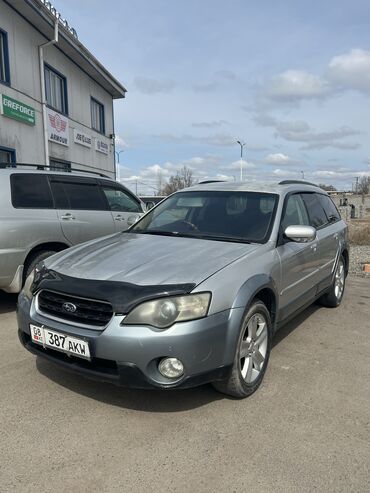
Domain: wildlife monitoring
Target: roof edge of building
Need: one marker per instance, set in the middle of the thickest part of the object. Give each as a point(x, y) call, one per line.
point(43, 19)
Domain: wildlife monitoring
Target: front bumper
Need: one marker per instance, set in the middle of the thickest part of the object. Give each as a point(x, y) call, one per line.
point(129, 355)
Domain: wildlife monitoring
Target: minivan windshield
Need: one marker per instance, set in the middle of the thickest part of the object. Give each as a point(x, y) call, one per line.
point(245, 217)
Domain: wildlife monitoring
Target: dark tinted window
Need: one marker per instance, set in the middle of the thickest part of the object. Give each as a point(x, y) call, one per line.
point(329, 207)
point(82, 195)
point(31, 191)
point(56, 165)
point(60, 195)
point(315, 211)
point(4, 58)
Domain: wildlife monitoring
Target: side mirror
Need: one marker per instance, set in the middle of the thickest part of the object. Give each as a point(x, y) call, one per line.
point(149, 205)
point(300, 234)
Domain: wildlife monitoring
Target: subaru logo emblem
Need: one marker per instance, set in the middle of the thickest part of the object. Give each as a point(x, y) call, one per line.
point(69, 307)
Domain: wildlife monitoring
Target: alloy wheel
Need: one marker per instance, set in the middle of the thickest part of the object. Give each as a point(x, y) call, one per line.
point(253, 349)
point(339, 280)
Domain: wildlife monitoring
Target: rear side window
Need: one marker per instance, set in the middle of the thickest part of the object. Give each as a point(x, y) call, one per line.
point(31, 191)
point(315, 210)
point(79, 195)
point(330, 210)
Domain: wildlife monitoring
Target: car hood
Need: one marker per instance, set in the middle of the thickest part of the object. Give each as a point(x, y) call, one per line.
point(144, 259)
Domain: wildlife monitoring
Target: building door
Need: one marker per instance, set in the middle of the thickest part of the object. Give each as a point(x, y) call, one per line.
point(7, 156)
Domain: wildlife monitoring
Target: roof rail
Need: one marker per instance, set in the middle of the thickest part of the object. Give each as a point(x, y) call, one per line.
point(209, 181)
point(300, 182)
point(45, 167)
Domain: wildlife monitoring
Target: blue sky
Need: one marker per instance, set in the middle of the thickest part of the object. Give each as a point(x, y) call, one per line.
point(290, 78)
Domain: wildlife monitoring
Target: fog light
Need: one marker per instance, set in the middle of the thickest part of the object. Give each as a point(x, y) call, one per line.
point(171, 367)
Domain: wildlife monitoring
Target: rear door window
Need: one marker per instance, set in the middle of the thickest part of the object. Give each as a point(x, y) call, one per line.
point(31, 191)
point(315, 210)
point(81, 194)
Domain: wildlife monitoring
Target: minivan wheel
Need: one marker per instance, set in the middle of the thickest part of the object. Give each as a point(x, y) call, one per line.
point(334, 297)
point(252, 354)
point(34, 260)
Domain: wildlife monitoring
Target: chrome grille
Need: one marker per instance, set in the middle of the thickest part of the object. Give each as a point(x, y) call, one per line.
point(74, 309)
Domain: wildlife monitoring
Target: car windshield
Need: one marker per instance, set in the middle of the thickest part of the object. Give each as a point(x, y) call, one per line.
point(217, 215)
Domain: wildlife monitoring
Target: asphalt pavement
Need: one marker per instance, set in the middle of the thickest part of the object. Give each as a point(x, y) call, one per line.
point(306, 429)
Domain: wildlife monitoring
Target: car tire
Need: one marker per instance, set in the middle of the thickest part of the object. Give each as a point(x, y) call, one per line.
point(34, 260)
point(333, 298)
point(251, 355)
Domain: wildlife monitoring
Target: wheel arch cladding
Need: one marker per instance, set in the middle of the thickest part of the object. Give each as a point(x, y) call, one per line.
point(261, 287)
point(345, 255)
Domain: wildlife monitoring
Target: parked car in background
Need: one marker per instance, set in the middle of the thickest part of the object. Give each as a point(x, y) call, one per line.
point(43, 212)
point(193, 292)
point(151, 200)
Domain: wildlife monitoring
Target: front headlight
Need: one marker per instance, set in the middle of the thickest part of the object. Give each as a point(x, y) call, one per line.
point(32, 277)
point(164, 312)
point(28, 284)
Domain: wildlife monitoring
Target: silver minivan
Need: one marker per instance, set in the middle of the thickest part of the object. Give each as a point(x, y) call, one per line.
point(43, 212)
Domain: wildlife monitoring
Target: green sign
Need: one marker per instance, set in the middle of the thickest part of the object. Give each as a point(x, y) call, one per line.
point(19, 111)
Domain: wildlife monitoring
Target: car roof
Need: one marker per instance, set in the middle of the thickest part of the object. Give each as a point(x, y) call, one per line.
point(280, 188)
point(80, 173)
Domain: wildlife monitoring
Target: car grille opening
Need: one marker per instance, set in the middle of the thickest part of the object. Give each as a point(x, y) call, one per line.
point(74, 309)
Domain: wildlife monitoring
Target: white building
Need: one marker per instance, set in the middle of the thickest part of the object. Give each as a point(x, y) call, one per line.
point(56, 98)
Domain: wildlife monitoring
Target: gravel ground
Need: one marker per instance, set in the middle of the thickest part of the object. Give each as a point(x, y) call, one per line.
point(359, 255)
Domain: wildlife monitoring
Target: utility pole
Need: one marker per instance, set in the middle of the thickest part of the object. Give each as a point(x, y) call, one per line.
point(242, 144)
point(302, 174)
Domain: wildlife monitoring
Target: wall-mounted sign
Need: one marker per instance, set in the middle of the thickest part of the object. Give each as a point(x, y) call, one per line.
point(82, 138)
point(18, 111)
point(101, 146)
point(58, 127)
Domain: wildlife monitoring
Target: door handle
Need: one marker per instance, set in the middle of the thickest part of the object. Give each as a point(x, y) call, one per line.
point(118, 217)
point(67, 217)
point(314, 247)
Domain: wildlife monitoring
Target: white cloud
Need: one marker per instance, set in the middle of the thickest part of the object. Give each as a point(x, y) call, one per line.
point(348, 71)
point(280, 159)
point(149, 85)
point(351, 70)
point(212, 124)
point(120, 142)
point(207, 87)
point(340, 175)
point(235, 165)
point(300, 131)
point(284, 173)
point(220, 139)
point(295, 85)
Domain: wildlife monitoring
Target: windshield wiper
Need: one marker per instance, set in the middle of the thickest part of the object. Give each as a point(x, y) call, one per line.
point(201, 236)
point(156, 232)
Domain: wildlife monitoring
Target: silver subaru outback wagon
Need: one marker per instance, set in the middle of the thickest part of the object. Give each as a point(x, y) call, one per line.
point(193, 292)
point(43, 212)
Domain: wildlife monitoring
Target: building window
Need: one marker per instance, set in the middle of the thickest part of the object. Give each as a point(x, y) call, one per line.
point(97, 116)
point(56, 165)
point(4, 58)
point(56, 90)
point(7, 156)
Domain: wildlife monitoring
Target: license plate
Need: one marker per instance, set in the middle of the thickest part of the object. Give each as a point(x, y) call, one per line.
point(60, 342)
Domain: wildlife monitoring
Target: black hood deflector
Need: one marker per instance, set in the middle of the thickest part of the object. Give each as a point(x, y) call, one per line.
point(123, 296)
